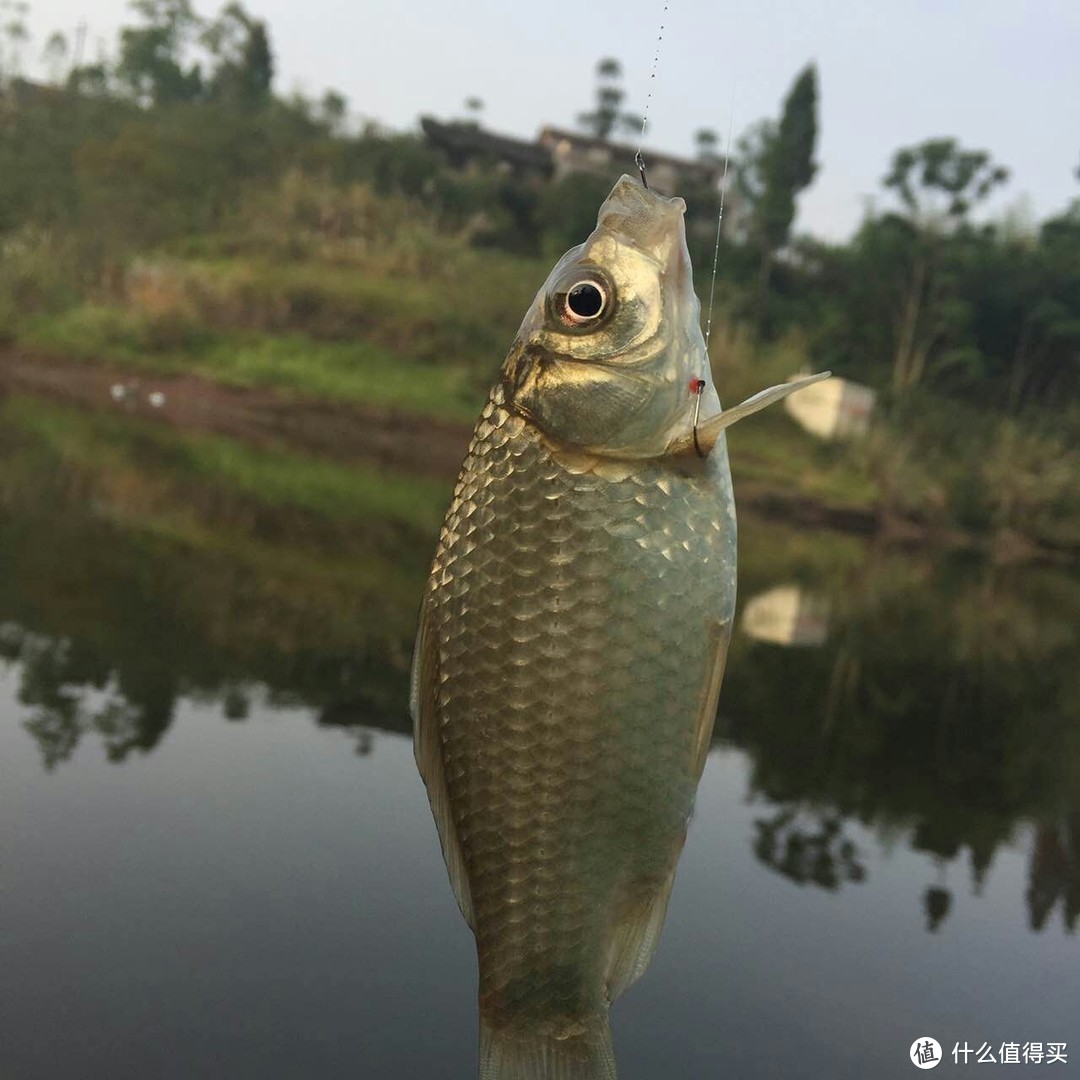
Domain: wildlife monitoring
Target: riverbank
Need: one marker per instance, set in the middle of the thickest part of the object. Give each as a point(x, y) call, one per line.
point(422, 445)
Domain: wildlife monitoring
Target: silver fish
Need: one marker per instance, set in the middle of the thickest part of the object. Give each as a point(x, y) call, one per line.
point(572, 639)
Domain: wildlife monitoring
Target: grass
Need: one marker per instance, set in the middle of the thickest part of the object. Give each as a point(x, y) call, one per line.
point(343, 371)
point(272, 477)
point(283, 478)
point(397, 315)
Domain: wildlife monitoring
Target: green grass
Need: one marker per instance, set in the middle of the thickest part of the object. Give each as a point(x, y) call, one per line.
point(770, 449)
point(282, 478)
point(358, 372)
point(343, 371)
point(272, 477)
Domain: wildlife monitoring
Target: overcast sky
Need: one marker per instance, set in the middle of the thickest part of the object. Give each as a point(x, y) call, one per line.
point(1002, 75)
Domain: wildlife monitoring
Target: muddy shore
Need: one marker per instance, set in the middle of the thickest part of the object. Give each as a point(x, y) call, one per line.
point(420, 445)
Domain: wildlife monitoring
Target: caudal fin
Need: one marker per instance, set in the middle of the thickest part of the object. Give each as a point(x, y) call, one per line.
point(516, 1054)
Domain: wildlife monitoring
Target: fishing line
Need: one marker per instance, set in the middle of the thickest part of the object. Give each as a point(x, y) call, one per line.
point(638, 159)
point(698, 386)
point(719, 223)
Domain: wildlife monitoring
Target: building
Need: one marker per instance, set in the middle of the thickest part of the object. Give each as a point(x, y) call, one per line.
point(571, 153)
point(467, 145)
point(557, 153)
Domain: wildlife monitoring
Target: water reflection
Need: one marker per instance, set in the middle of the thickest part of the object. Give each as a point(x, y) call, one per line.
point(932, 704)
point(786, 615)
point(813, 851)
point(1054, 875)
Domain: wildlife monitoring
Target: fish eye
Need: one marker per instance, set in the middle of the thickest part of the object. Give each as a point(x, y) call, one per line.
point(585, 301)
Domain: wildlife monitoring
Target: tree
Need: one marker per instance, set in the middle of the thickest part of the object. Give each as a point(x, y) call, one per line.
point(244, 64)
point(706, 141)
point(333, 109)
point(55, 56)
point(13, 36)
point(151, 63)
point(607, 115)
point(938, 182)
point(1046, 361)
point(474, 106)
point(776, 162)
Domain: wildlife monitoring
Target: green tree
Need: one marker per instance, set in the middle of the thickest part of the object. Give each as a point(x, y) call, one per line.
point(474, 106)
point(1045, 366)
point(567, 210)
point(152, 64)
point(55, 55)
point(706, 141)
point(243, 63)
point(938, 183)
point(776, 162)
point(13, 36)
point(608, 114)
point(333, 108)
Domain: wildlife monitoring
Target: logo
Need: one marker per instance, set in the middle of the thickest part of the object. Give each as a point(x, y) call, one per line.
point(925, 1053)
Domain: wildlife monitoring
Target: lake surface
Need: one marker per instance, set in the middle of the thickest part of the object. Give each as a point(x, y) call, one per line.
point(217, 859)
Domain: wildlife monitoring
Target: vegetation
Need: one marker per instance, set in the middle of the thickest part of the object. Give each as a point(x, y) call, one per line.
point(608, 115)
point(776, 162)
point(165, 210)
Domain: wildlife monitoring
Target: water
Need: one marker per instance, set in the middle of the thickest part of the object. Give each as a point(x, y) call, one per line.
point(218, 860)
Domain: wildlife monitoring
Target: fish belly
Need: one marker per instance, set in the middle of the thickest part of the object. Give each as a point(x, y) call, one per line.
point(579, 623)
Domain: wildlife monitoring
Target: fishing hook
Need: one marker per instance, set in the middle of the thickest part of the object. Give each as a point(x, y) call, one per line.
point(698, 388)
point(639, 161)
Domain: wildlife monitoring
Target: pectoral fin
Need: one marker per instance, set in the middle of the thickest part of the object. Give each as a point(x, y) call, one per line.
point(709, 431)
point(424, 705)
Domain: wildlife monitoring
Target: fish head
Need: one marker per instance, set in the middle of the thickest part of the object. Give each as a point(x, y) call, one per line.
point(608, 358)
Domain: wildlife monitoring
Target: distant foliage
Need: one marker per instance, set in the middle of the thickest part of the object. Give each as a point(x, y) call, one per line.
point(176, 145)
point(607, 115)
point(775, 163)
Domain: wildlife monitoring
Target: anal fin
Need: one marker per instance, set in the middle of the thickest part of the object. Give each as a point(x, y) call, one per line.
point(637, 931)
point(637, 934)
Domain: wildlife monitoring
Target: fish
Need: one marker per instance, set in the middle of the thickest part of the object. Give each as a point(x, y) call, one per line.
point(572, 638)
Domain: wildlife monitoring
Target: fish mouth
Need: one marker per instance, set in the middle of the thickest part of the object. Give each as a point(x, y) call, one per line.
point(651, 221)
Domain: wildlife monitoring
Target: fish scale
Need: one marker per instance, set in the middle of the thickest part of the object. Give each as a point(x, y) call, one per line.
point(570, 784)
point(573, 636)
point(572, 639)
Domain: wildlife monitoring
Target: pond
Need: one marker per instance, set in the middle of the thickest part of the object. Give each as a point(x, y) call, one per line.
point(218, 858)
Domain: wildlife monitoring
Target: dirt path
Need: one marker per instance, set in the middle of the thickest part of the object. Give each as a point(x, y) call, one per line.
point(350, 432)
point(260, 415)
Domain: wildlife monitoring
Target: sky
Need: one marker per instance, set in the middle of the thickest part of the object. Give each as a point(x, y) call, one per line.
point(1000, 75)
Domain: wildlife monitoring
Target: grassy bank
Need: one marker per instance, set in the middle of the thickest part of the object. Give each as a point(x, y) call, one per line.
point(336, 294)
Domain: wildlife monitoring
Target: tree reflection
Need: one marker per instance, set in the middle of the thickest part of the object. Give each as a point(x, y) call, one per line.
point(944, 706)
point(819, 855)
point(940, 706)
point(73, 693)
point(128, 588)
point(1054, 873)
point(936, 903)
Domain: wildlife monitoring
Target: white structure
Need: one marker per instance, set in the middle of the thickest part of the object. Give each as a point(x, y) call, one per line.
point(786, 615)
point(833, 409)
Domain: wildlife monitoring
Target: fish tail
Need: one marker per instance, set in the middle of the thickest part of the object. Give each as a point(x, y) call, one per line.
point(585, 1053)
